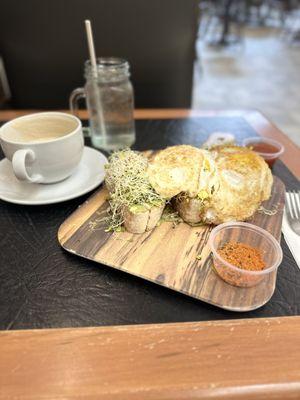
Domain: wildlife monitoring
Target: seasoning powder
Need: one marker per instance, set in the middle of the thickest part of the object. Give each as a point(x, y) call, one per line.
point(243, 256)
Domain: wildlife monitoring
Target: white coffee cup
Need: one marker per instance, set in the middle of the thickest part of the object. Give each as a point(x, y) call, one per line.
point(44, 147)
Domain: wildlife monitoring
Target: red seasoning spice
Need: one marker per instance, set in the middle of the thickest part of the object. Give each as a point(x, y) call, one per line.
point(243, 257)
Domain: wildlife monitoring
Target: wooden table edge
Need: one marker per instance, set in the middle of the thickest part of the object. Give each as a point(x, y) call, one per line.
point(232, 359)
point(37, 363)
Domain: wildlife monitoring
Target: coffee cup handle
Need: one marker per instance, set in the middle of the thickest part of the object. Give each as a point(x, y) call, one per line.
point(19, 165)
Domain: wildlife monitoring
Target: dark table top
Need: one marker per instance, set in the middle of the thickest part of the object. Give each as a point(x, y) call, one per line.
point(43, 286)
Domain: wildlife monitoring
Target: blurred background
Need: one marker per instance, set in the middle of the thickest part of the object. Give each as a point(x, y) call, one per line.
point(214, 54)
point(248, 56)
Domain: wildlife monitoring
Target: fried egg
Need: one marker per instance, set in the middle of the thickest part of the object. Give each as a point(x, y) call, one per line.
point(230, 181)
point(244, 180)
point(179, 169)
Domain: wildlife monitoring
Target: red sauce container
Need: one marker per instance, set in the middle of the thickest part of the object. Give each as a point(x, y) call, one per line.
point(270, 150)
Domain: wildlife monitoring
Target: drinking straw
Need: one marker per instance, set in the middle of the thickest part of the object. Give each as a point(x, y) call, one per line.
point(90, 40)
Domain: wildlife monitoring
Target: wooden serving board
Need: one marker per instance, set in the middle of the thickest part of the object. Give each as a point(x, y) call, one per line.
point(168, 255)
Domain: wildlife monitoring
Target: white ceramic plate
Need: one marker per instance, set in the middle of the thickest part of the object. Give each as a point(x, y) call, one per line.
point(88, 175)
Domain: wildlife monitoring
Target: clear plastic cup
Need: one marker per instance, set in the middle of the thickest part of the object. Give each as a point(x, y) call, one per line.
point(251, 235)
point(270, 150)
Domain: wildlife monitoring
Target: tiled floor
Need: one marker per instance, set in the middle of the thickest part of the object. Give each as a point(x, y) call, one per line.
point(262, 73)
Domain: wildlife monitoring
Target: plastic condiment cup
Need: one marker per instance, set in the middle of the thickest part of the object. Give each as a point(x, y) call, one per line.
point(269, 156)
point(253, 236)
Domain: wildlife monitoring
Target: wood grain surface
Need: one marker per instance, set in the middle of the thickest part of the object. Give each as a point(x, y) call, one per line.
point(169, 255)
point(240, 360)
point(255, 118)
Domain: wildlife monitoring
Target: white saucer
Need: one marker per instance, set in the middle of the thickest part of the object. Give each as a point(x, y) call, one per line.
point(88, 175)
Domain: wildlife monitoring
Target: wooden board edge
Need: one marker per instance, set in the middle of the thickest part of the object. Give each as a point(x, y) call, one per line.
point(169, 287)
point(282, 184)
point(66, 229)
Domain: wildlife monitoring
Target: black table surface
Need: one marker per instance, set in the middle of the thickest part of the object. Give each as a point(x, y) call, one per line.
point(43, 286)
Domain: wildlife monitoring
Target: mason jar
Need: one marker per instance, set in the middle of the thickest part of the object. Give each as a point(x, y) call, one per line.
point(110, 103)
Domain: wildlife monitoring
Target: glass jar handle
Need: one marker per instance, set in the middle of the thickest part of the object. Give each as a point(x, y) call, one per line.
point(75, 96)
